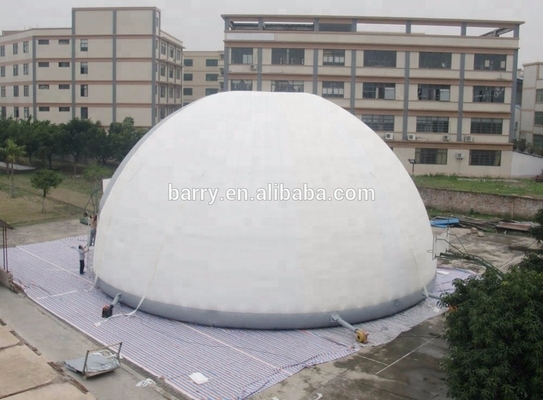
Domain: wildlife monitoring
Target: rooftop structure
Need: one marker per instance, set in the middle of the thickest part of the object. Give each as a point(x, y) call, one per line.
point(440, 92)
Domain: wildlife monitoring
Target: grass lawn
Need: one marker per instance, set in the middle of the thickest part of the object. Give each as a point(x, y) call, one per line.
point(67, 201)
point(518, 187)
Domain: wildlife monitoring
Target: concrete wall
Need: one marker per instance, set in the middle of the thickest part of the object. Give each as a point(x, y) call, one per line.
point(525, 165)
point(464, 202)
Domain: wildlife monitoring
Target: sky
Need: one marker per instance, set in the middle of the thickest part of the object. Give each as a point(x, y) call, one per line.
point(199, 25)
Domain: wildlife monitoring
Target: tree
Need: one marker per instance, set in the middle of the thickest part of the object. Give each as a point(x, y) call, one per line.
point(93, 176)
point(12, 153)
point(124, 137)
point(99, 145)
point(73, 138)
point(494, 329)
point(45, 179)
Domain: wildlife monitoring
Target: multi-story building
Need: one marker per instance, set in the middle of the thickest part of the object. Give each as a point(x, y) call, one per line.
point(203, 74)
point(111, 64)
point(532, 104)
point(444, 102)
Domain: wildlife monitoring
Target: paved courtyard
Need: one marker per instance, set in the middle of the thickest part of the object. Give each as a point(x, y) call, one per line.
point(407, 367)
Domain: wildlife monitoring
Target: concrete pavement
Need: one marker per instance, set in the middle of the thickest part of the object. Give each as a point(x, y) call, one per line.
point(406, 368)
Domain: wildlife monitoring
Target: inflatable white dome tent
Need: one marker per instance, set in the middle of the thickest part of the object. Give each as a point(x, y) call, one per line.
point(247, 258)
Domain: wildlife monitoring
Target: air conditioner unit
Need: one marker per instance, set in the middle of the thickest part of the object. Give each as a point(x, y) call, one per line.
point(253, 67)
point(468, 138)
point(389, 136)
point(459, 156)
point(446, 138)
point(411, 137)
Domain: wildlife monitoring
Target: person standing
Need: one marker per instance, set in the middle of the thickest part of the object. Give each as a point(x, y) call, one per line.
point(94, 226)
point(82, 251)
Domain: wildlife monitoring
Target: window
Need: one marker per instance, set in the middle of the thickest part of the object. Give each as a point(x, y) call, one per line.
point(15, 91)
point(84, 69)
point(84, 91)
point(333, 57)
point(2, 91)
point(433, 124)
point(287, 86)
point(177, 93)
point(3, 112)
point(84, 113)
point(286, 56)
point(64, 41)
point(379, 122)
point(172, 52)
point(538, 141)
point(492, 126)
point(26, 91)
point(162, 113)
point(187, 91)
point(210, 91)
point(333, 89)
point(434, 92)
point(538, 119)
point(171, 73)
point(211, 62)
point(187, 62)
point(64, 109)
point(435, 60)
point(25, 69)
point(170, 93)
point(84, 45)
point(26, 112)
point(178, 73)
point(43, 109)
point(43, 41)
point(45, 87)
point(15, 112)
point(490, 62)
point(539, 96)
point(242, 55)
point(63, 64)
point(212, 77)
point(2, 71)
point(163, 91)
point(178, 54)
point(488, 94)
point(15, 48)
point(162, 70)
point(163, 48)
point(2, 51)
point(15, 70)
point(431, 156)
point(63, 87)
point(485, 157)
point(379, 58)
point(241, 84)
point(43, 64)
point(187, 77)
point(25, 47)
point(385, 91)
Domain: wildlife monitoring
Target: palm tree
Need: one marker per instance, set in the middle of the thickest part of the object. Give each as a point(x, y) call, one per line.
point(11, 153)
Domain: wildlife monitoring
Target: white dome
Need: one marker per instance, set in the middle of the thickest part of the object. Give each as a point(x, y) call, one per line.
point(263, 264)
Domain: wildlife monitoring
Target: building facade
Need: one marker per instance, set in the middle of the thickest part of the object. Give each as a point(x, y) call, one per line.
point(111, 64)
point(444, 102)
point(532, 104)
point(203, 74)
